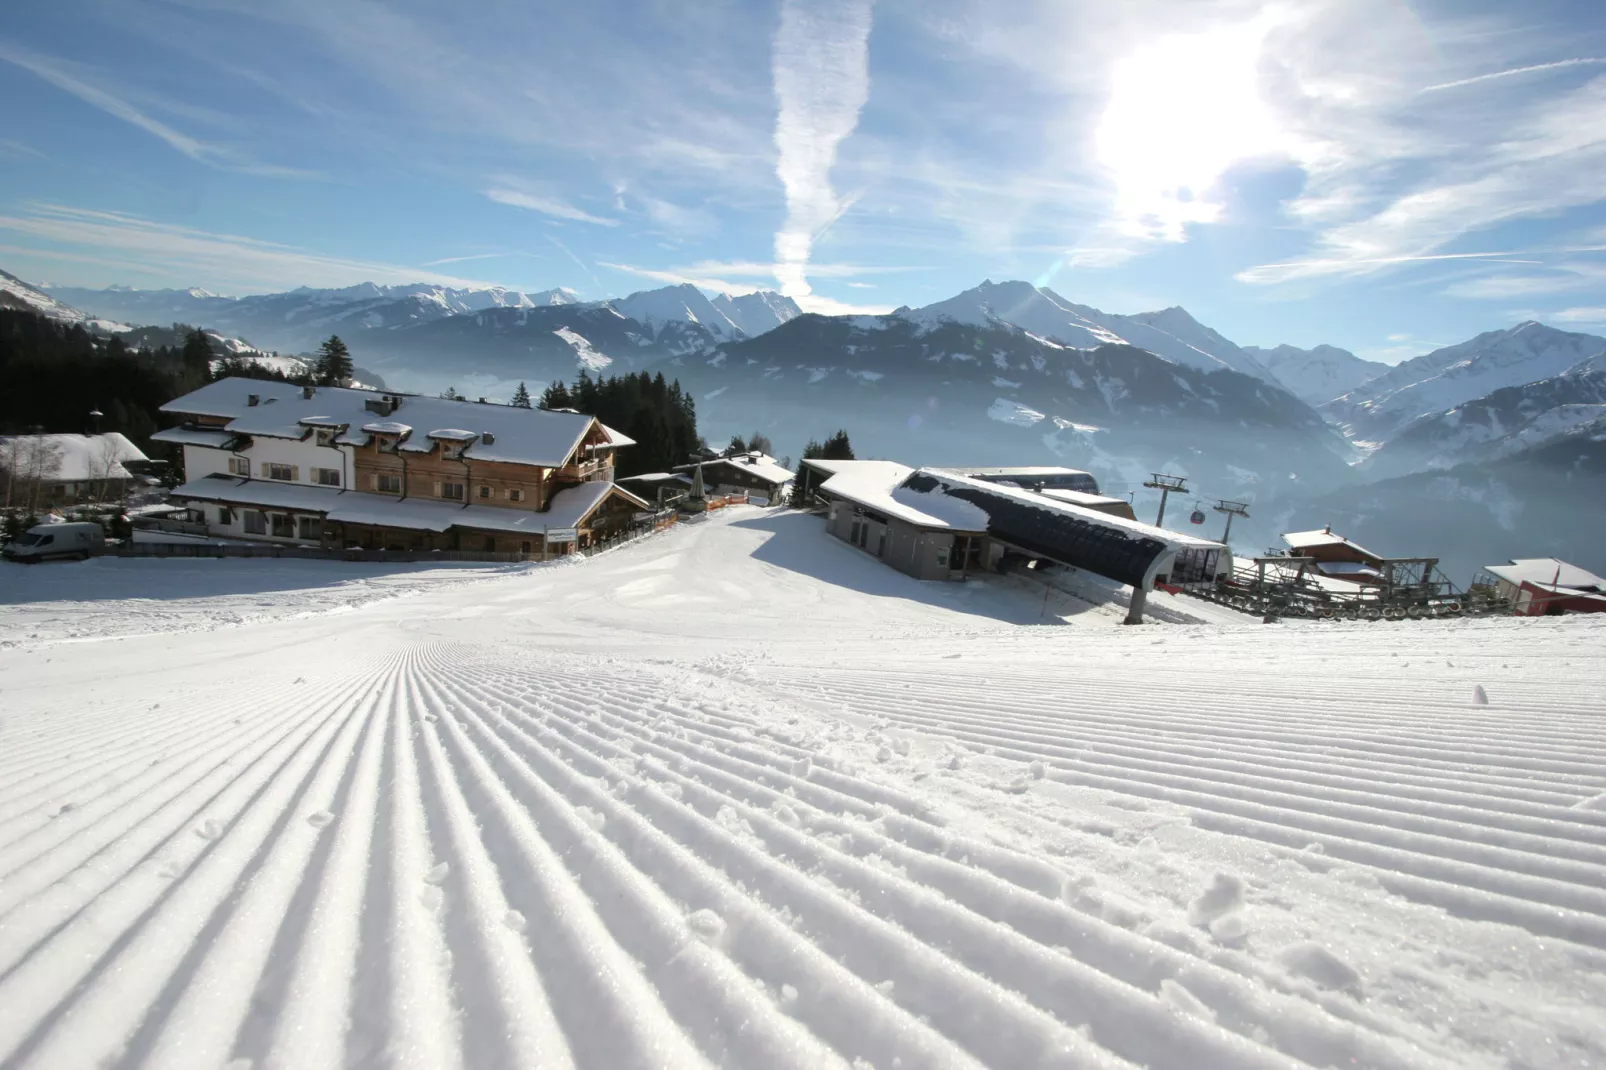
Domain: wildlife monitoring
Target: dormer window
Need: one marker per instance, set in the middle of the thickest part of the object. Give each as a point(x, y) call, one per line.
point(324, 436)
point(386, 443)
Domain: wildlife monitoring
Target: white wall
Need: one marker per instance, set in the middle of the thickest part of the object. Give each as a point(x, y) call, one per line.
point(201, 461)
point(304, 456)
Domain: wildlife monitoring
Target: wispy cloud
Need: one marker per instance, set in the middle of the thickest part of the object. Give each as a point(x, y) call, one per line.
point(184, 254)
point(1294, 269)
point(10, 147)
point(1580, 315)
point(821, 73)
point(555, 207)
point(213, 155)
point(1532, 68)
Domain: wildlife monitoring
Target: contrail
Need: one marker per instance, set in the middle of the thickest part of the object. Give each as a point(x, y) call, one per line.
point(822, 79)
point(1580, 61)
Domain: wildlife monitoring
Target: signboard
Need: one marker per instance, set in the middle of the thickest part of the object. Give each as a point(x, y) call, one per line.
point(562, 534)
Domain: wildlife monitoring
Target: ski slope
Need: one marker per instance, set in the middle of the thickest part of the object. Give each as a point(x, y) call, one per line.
point(738, 795)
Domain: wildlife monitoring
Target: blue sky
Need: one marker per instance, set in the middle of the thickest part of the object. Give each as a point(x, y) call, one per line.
point(1378, 174)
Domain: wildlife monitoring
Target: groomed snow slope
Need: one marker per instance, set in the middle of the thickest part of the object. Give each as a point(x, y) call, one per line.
point(739, 796)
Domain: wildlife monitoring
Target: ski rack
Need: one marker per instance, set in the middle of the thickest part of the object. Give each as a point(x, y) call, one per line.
point(1287, 585)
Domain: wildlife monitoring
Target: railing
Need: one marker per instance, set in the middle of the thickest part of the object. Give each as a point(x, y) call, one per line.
point(315, 553)
point(172, 527)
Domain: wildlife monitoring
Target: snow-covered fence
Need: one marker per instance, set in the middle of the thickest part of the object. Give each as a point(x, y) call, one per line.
point(312, 553)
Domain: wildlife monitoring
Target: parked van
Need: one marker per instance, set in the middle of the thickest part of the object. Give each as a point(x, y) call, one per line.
point(56, 540)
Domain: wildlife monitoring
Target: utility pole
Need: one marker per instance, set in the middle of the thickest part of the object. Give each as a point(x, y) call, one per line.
point(1232, 509)
point(1165, 485)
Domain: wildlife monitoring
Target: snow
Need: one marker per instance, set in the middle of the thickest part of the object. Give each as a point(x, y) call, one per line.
point(522, 436)
point(753, 462)
point(1445, 378)
point(586, 355)
point(757, 312)
point(1013, 413)
point(1319, 374)
point(740, 795)
point(14, 293)
point(84, 458)
point(1547, 571)
point(1304, 540)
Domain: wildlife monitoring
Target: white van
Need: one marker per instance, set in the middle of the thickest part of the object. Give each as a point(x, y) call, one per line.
point(56, 540)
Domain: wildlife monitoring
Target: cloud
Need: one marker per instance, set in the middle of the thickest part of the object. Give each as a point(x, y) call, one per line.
point(184, 254)
point(1580, 315)
point(212, 155)
point(1531, 68)
point(821, 72)
point(549, 206)
point(1296, 269)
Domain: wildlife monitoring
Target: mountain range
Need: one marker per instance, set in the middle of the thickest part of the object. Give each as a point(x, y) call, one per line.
point(1003, 372)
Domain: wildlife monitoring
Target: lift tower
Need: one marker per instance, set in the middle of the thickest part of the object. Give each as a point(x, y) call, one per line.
point(1165, 485)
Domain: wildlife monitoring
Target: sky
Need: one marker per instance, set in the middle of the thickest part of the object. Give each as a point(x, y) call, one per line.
point(1384, 175)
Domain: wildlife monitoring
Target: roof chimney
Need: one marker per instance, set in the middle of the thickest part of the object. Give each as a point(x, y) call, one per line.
point(488, 438)
point(253, 400)
point(482, 401)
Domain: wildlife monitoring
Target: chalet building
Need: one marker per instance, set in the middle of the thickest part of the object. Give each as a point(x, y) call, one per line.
point(1538, 586)
point(752, 472)
point(342, 468)
point(941, 524)
point(649, 484)
point(63, 469)
point(1335, 556)
point(1036, 477)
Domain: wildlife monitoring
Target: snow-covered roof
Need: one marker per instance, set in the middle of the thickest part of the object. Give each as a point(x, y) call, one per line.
point(656, 477)
point(754, 462)
point(194, 436)
point(82, 458)
point(388, 427)
point(820, 464)
point(1305, 540)
point(1021, 470)
point(876, 485)
point(568, 508)
point(518, 435)
point(1082, 498)
point(1547, 572)
point(1131, 528)
point(617, 439)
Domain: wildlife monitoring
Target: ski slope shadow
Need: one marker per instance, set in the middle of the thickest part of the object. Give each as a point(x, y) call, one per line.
point(806, 548)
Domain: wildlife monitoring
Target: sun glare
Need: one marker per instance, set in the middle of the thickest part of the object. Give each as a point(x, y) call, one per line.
point(1181, 112)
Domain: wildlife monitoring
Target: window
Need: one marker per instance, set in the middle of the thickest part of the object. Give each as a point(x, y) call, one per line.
point(329, 477)
point(325, 436)
point(388, 484)
point(279, 471)
point(454, 491)
point(225, 515)
point(309, 527)
point(515, 495)
point(256, 523)
point(284, 526)
point(239, 466)
point(490, 544)
point(524, 547)
point(386, 444)
point(485, 492)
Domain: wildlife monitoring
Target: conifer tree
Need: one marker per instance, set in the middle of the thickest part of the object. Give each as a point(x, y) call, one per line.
point(451, 394)
point(333, 367)
point(521, 397)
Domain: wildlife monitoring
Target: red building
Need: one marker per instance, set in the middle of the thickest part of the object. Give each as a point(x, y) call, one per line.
point(1537, 586)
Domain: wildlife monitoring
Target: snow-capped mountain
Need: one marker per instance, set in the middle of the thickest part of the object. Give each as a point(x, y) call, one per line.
point(1501, 424)
point(14, 293)
point(1445, 378)
point(1170, 333)
point(756, 312)
point(954, 392)
point(654, 309)
point(1316, 375)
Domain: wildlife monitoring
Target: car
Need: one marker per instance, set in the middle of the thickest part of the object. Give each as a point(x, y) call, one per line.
point(45, 541)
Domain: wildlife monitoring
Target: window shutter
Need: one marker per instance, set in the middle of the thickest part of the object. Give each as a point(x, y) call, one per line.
point(295, 473)
point(437, 488)
point(373, 481)
point(266, 469)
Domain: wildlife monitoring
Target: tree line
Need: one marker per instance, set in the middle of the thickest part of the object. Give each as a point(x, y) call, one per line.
point(658, 414)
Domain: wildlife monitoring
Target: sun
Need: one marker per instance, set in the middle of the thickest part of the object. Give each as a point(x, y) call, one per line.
point(1181, 111)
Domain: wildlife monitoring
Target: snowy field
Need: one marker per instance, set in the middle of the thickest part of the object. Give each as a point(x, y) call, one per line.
point(740, 796)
